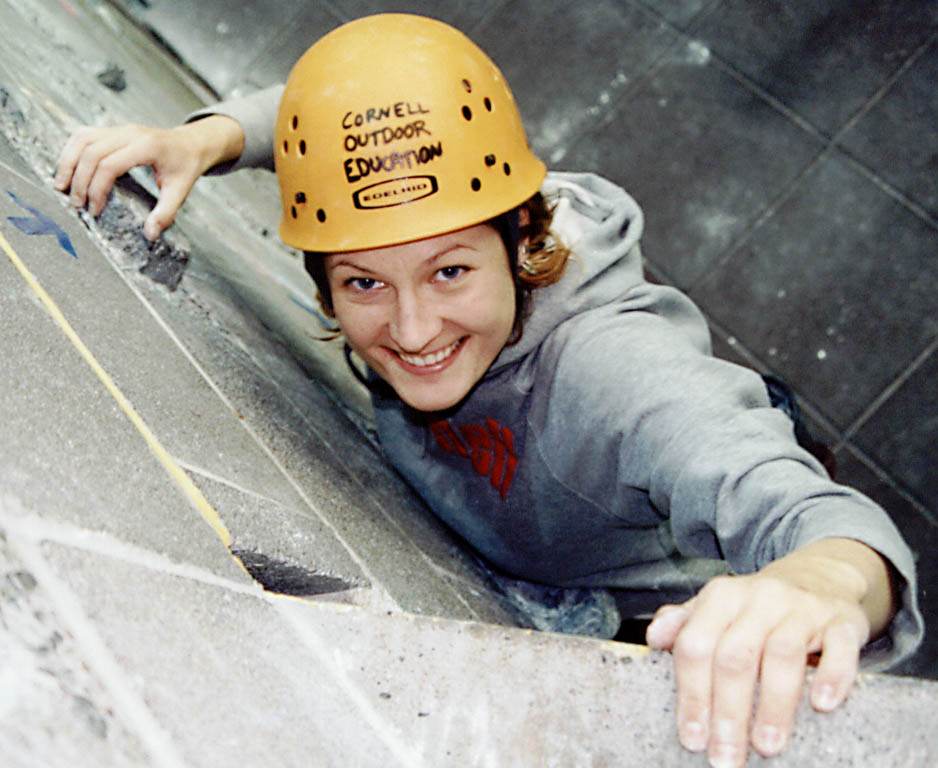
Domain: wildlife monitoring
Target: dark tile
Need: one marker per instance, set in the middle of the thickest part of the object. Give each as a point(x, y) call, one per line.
point(702, 154)
point(274, 62)
point(903, 434)
point(898, 138)
point(462, 15)
point(922, 536)
point(824, 58)
point(218, 39)
point(818, 432)
point(836, 290)
point(678, 12)
point(567, 63)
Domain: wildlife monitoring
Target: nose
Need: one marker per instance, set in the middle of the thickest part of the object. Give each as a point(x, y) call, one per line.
point(415, 323)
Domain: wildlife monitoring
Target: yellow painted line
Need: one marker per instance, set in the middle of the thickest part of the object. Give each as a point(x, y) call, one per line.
point(174, 470)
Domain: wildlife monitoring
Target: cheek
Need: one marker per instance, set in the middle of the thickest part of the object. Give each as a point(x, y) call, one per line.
point(493, 313)
point(359, 326)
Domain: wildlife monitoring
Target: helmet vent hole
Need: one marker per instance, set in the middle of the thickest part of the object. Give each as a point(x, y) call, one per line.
point(302, 147)
point(467, 85)
point(300, 198)
point(467, 113)
point(507, 169)
point(476, 185)
point(296, 122)
point(286, 146)
point(293, 211)
point(321, 215)
point(490, 160)
point(488, 104)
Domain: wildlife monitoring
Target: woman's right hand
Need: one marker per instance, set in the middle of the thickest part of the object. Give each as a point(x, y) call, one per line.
point(93, 158)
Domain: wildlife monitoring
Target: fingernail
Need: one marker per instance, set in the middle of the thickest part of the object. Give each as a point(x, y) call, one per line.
point(75, 200)
point(693, 736)
point(724, 756)
point(826, 698)
point(769, 739)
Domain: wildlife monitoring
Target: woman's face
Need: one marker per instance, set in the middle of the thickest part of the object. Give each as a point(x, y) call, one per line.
point(429, 316)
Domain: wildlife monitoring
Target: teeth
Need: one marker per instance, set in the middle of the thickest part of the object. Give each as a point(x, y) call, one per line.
point(436, 357)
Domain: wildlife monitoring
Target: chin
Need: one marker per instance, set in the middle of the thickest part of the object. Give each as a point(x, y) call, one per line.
point(432, 402)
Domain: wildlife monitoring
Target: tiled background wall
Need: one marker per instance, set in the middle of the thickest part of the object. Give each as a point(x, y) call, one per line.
point(786, 157)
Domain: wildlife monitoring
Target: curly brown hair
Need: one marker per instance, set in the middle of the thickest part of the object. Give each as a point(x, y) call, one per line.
point(544, 264)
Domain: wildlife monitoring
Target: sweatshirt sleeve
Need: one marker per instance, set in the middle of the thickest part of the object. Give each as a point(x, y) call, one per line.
point(256, 113)
point(699, 436)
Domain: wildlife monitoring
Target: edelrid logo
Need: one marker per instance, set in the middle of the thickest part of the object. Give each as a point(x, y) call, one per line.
point(386, 194)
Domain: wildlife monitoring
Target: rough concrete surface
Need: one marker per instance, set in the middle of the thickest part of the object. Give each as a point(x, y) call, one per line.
point(144, 390)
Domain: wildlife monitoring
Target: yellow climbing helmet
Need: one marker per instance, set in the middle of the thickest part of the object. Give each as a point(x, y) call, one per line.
point(393, 128)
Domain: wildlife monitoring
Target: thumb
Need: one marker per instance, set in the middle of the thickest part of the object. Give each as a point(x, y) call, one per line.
point(163, 214)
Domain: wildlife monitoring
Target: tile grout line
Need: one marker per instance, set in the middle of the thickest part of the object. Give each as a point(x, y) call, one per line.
point(681, 39)
point(757, 363)
point(830, 145)
point(884, 88)
point(883, 475)
point(886, 188)
point(842, 438)
point(888, 391)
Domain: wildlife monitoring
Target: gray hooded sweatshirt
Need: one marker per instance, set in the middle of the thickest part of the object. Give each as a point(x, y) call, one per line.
point(607, 447)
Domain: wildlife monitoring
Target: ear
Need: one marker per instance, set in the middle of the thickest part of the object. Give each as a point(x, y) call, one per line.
point(524, 221)
point(524, 216)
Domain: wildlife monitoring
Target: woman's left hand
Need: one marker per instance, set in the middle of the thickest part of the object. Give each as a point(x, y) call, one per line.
point(827, 598)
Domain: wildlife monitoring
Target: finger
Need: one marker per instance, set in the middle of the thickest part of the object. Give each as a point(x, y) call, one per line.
point(736, 663)
point(667, 622)
point(837, 669)
point(782, 677)
point(172, 196)
point(88, 162)
point(68, 157)
point(111, 166)
point(693, 653)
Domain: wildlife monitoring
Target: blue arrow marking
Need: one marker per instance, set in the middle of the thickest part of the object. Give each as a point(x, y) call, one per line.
point(40, 224)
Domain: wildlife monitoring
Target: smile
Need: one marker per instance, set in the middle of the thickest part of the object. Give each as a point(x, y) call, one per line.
point(424, 361)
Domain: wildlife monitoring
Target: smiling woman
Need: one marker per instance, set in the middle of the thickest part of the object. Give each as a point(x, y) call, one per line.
point(429, 317)
point(563, 415)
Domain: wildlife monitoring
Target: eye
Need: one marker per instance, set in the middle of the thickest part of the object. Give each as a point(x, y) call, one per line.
point(362, 283)
point(451, 272)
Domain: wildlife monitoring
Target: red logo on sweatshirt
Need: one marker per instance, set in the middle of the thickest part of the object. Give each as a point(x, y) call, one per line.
point(491, 448)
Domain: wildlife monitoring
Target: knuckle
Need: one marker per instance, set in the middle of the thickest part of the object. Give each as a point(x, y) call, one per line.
point(694, 646)
point(735, 656)
point(110, 166)
point(786, 645)
point(719, 585)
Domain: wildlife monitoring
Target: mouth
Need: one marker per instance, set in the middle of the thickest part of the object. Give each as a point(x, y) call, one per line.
point(434, 360)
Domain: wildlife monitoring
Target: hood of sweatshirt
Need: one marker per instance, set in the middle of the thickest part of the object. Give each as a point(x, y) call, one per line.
point(601, 225)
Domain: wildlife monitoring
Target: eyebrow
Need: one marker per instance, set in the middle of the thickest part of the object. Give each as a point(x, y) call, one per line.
point(350, 265)
point(429, 261)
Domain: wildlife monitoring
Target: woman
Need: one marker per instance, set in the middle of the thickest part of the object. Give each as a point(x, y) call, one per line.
point(557, 411)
